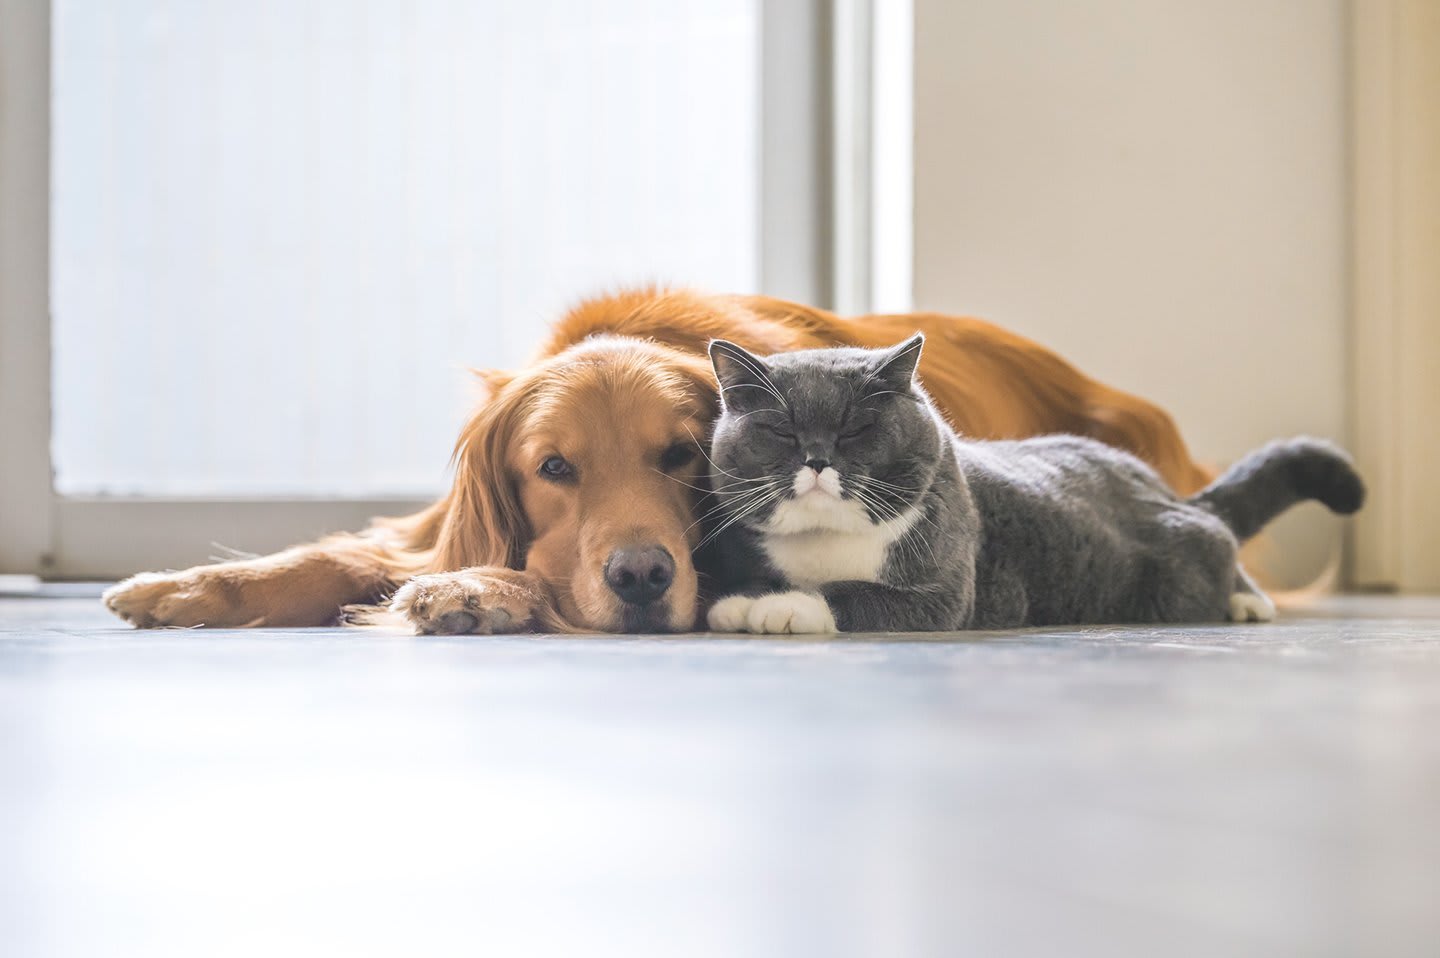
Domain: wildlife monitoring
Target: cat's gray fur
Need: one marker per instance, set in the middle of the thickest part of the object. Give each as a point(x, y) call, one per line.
point(1047, 531)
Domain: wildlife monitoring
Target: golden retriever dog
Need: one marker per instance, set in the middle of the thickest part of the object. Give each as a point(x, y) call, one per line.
point(579, 491)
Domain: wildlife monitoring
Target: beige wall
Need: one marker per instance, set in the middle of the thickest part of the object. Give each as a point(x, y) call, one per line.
point(1156, 188)
point(1395, 327)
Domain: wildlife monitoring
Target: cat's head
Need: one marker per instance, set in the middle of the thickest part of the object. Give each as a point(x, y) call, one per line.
point(827, 439)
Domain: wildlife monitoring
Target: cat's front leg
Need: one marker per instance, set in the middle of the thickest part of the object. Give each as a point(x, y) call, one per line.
point(874, 607)
point(776, 613)
point(1248, 602)
point(841, 607)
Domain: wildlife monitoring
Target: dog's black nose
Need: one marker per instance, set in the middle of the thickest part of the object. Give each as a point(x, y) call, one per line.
point(819, 465)
point(639, 575)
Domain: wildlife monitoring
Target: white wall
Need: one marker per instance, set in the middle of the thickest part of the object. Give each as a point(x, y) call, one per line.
point(1157, 189)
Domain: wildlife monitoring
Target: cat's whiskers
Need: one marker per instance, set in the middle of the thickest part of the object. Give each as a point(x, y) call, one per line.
point(737, 501)
point(760, 386)
point(868, 499)
point(766, 383)
point(701, 446)
point(901, 492)
point(880, 493)
point(890, 392)
point(745, 482)
point(910, 542)
point(920, 515)
point(721, 506)
point(741, 514)
point(706, 489)
point(687, 485)
point(886, 485)
point(770, 480)
point(742, 417)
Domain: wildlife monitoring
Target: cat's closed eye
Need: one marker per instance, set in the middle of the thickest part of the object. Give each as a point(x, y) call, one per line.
point(779, 429)
point(855, 432)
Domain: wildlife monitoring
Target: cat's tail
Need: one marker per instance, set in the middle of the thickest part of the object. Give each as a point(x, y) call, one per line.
point(1277, 476)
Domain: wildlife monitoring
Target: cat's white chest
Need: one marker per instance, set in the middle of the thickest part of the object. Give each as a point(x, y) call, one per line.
point(817, 539)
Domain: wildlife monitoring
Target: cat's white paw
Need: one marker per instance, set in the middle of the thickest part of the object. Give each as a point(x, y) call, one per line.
point(730, 613)
point(794, 613)
point(1251, 607)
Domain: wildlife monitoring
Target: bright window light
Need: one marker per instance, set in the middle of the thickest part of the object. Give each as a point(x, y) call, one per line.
point(281, 230)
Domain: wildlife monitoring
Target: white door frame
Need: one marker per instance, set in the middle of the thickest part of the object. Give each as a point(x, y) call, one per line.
point(54, 536)
point(26, 516)
point(872, 82)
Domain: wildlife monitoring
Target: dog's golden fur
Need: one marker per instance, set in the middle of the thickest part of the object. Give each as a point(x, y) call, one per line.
point(621, 380)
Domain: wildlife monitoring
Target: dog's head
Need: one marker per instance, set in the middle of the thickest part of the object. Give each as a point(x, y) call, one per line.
point(586, 469)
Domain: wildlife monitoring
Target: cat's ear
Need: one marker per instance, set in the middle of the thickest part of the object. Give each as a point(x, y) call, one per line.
point(898, 363)
point(734, 367)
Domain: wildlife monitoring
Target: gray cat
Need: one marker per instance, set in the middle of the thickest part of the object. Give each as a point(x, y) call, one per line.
point(846, 503)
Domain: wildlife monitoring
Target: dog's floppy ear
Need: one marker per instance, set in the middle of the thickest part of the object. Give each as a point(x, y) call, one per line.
point(898, 364)
point(738, 371)
point(491, 381)
point(697, 379)
point(484, 523)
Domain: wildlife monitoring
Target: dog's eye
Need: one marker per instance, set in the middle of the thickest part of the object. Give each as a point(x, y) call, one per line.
point(555, 468)
point(676, 456)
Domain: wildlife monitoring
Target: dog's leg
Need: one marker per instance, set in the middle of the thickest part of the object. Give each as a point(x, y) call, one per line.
point(487, 599)
point(302, 586)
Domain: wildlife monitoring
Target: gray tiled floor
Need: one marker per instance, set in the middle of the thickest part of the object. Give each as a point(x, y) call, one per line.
point(1208, 791)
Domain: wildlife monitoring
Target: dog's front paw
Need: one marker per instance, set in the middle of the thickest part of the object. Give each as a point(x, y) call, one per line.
point(196, 597)
point(453, 603)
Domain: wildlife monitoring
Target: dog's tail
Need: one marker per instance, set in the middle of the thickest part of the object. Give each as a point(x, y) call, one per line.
point(1277, 476)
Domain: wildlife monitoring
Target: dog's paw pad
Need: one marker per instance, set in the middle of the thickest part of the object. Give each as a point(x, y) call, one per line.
point(1251, 607)
point(458, 603)
point(455, 623)
point(792, 613)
